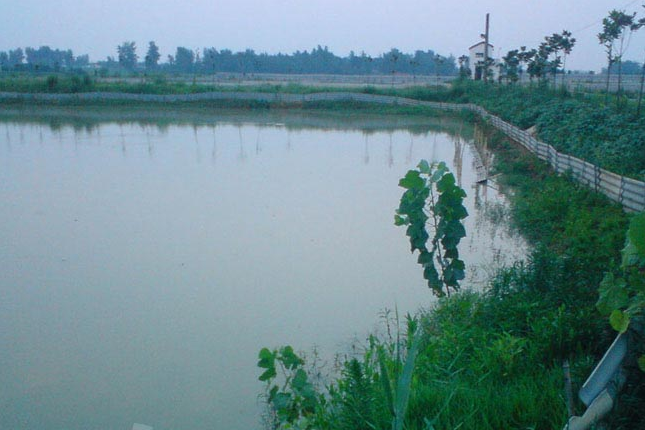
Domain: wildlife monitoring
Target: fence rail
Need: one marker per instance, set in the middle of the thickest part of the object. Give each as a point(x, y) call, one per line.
point(626, 191)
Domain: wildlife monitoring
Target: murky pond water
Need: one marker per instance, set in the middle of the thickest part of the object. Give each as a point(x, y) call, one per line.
point(144, 262)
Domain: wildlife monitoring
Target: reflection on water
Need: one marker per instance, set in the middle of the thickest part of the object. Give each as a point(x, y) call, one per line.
point(145, 261)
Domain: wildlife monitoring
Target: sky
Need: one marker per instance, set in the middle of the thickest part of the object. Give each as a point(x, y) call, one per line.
point(97, 27)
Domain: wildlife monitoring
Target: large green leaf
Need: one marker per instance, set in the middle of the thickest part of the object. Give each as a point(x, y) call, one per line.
point(281, 401)
point(267, 374)
point(267, 358)
point(289, 358)
point(400, 220)
point(432, 276)
point(446, 182)
point(299, 381)
point(440, 170)
point(424, 167)
point(412, 180)
point(425, 257)
point(619, 320)
point(631, 257)
point(460, 212)
point(612, 294)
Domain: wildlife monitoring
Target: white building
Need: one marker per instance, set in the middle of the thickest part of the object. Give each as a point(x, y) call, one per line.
point(476, 53)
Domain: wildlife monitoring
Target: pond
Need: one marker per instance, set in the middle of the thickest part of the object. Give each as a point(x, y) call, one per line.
point(147, 257)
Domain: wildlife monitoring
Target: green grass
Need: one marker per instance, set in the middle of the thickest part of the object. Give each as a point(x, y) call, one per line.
point(66, 84)
point(574, 124)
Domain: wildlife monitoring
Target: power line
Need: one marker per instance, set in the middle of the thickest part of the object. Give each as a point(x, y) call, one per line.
point(586, 27)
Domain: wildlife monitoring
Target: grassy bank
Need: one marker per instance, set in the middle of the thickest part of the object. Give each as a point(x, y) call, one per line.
point(492, 360)
point(575, 124)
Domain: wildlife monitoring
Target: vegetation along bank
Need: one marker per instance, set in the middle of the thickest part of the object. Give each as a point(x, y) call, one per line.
point(489, 360)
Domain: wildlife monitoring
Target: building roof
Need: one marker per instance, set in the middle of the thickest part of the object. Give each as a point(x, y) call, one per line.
point(480, 43)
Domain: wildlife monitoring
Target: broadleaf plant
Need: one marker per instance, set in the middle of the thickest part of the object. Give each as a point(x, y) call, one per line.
point(433, 199)
point(622, 295)
point(293, 402)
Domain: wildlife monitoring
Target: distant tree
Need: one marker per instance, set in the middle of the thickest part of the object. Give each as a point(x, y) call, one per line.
point(152, 56)
point(4, 61)
point(559, 42)
point(354, 63)
point(45, 58)
point(614, 28)
point(41, 58)
point(525, 57)
point(388, 61)
point(566, 44)
point(414, 64)
point(208, 62)
point(127, 55)
point(630, 67)
point(198, 58)
point(16, 57)
point(549, 58)
point(184, 59)
point(318, 60)
point(438, 62)
point(82, 61)
point(538, 63)
point(552, 44)
point(511, 66)
point(366, 63)
point(464, 67)
point(394, 56)
point(67, 58)
point(323, 60)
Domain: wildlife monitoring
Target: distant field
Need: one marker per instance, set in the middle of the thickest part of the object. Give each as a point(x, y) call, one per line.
point(630, 83)
point(399, 80)
point(590, 82)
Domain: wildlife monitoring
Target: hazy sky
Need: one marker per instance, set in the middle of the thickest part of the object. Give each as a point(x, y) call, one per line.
point(374, 26)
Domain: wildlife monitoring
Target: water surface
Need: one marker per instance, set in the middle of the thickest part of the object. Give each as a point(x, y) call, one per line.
point(145, 260)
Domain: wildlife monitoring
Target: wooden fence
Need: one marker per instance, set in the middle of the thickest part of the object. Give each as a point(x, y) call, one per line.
point(626, 191)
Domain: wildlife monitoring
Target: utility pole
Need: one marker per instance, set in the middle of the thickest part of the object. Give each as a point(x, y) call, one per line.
point(486, 49)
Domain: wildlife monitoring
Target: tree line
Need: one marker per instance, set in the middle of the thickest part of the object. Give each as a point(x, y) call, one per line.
point(549, 58)
point(318, 60)
point(43, 59)
point(211, 60)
